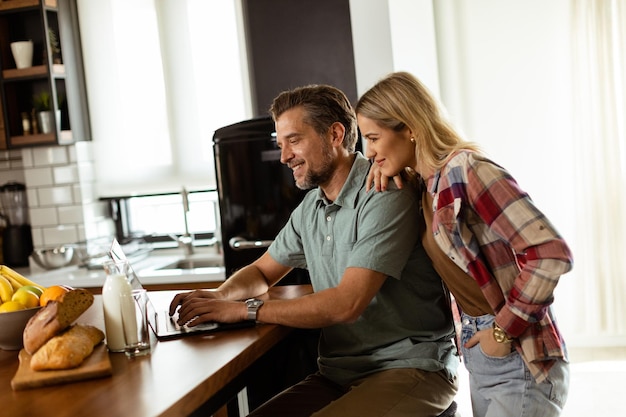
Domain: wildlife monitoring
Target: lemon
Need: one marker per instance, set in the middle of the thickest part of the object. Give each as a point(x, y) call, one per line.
point(26, 297)
point(11, 306)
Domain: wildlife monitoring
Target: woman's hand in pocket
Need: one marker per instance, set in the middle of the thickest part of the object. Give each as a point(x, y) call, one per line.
point(488, 344)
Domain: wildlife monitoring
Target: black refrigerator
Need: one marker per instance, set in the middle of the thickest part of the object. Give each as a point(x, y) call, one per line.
point(256, 195)
point(256, 192)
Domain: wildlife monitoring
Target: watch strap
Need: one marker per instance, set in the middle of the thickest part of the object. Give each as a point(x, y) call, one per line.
point(253, 305)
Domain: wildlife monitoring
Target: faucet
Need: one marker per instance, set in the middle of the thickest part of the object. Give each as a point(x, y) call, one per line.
point(185, 241)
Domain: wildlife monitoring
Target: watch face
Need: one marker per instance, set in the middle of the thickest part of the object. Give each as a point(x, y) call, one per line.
point(500, 335)
point(254, 303)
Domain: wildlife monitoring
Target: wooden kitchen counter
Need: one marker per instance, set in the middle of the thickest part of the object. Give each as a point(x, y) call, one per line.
point(178, 377)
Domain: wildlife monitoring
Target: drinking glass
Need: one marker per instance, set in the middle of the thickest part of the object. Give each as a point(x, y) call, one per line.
point(135, 322)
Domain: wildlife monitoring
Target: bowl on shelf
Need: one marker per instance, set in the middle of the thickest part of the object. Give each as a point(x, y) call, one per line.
point(12, 324)
point(53, 258)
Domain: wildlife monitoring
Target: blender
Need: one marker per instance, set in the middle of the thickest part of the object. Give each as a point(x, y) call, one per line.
point(17, 239)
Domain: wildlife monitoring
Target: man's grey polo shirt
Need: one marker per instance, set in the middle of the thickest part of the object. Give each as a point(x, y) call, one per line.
point(408, 323)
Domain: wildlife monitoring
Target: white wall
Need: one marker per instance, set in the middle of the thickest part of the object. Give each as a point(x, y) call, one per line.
point(502, 70)
point(500, 67)
point(394, 35)
point(505, 79)
point(371, 38)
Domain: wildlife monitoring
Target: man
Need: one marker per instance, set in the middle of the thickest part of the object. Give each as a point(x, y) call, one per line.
point(386, 329)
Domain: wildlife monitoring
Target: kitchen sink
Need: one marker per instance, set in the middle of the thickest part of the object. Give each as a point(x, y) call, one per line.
point(194, 264)
point(168, 268)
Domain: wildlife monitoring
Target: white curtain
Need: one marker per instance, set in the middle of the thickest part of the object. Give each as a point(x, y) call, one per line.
point(599, 91)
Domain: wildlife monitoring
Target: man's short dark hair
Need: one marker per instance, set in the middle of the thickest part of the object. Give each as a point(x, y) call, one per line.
point(324, 105)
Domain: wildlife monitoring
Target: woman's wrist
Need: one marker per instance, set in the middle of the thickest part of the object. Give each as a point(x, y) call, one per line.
point(500, 335)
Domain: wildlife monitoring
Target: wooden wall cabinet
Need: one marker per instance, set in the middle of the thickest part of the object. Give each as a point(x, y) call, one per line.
point(56, 71)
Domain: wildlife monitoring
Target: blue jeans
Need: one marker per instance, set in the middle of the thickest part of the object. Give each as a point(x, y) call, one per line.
point(504, 387)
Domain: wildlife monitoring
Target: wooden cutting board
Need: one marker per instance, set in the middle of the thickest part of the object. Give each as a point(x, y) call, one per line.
point(96, 365)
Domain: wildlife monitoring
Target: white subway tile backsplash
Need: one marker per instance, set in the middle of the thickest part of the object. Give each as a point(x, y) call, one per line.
point(83, 152)
point(60, 195)
point(80, 230)
point(62, 200)
point(71, 154)
point(32, 197)
point(17, 164)
point(16, 159)
point(95, 211)
point(9, 176)
point(77, 193)
point(70, 214)
point(86, 171)
point(105, 228)
point(65, 174)
point(37, 233)
point(44, 216)
point(98, 229)
point(36, 177)
point(53, 155)
point(60, 235)
point(27, 158)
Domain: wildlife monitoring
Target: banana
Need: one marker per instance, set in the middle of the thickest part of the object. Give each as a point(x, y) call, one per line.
point(16, 285)
point(6, 290)
point(16, 279)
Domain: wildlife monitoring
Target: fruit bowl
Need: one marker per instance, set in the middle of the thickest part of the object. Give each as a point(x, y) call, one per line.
point(12, 324)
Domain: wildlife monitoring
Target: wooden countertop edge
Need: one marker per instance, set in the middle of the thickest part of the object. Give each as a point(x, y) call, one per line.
point(199, 395)
point(205, 391)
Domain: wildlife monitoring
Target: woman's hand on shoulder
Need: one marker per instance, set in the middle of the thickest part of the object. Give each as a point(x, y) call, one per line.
point(380, 181)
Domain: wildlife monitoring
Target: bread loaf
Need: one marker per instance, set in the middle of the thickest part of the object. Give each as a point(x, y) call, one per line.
point(67, 350)
point(55, 317)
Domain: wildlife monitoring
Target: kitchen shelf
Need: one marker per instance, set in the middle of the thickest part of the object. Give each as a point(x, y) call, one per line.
point(38, 70)
point(21, 4)
point(34, 139)
point(57, 72)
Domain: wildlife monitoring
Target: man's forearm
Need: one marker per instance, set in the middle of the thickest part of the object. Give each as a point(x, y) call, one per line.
point(245, 283)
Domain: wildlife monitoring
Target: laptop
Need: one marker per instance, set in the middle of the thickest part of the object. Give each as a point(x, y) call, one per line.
point(164, 326)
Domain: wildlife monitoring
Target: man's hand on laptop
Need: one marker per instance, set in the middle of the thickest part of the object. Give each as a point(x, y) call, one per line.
point(201, 306)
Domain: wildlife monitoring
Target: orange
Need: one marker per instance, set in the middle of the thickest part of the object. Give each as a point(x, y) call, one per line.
point(52, 293)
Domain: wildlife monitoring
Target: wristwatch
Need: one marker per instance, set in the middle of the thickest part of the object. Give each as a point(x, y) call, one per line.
point(253, 305)
point(500, 335)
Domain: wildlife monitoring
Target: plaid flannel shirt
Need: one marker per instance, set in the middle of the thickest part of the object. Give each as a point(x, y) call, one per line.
point(492, 230)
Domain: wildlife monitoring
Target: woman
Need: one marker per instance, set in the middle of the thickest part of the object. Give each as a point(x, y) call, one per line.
point(498, 254)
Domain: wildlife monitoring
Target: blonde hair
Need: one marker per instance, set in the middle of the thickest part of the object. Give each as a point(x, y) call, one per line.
point(400, 100)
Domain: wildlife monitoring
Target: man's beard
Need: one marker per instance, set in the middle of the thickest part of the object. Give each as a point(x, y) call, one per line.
point(316, 177)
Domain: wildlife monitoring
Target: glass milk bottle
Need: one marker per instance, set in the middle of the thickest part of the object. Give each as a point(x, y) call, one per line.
point(117, 301)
